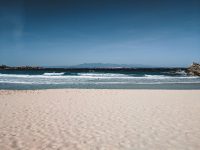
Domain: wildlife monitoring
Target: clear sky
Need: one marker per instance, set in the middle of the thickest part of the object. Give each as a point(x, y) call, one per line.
point(70, 32)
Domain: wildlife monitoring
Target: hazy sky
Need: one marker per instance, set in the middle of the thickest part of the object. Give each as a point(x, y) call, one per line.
point(68, 32)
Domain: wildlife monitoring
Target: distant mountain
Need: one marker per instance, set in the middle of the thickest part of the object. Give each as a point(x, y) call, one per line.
point(108, 65)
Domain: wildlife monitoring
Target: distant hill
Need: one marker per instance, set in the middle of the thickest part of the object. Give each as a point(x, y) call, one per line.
point(103, 65)
point(108, 65)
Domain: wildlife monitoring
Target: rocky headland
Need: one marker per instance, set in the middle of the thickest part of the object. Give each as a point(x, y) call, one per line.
point(194, 69)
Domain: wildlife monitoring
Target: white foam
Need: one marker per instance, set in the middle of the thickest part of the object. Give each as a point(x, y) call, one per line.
point(33, 76)
point(95, 76)
point(169, 77)
point(181, 72)
point(102, 75)
point(54, 74)
point(17, 82)
point(60, 75)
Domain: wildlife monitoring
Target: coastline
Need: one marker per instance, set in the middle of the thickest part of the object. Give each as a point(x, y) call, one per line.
point(99, 119)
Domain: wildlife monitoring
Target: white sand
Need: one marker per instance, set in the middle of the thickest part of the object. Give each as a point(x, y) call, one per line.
point(100, 119)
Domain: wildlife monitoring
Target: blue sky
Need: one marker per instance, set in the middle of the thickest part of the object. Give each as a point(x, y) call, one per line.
point(70, 32)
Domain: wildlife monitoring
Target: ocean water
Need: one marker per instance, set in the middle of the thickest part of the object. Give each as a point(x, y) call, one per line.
point(97, 79)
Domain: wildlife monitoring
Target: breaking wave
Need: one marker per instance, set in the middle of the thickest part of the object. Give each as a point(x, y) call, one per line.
point(54, 74)
point(96, 75)
point(101, 79)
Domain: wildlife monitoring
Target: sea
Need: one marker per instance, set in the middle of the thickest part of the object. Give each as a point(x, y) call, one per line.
point(161, 78)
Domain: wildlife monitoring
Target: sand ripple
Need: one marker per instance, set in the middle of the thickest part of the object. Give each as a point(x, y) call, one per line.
point(100, 120)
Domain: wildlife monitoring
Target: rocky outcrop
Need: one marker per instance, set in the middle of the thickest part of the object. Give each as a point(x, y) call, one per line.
point(4, 67)
point(194, 69)
point(28, 68)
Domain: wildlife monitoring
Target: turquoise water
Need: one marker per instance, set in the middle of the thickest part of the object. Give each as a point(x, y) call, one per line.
point(98, 79)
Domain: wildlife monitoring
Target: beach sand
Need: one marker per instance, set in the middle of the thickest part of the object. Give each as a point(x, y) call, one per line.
point(71, 119)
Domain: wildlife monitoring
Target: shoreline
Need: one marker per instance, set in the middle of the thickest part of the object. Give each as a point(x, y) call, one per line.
point(92, 89)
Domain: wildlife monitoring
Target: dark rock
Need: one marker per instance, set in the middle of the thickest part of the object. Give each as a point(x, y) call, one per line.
point(27, 68)
point(4, 67)
point(194, 69)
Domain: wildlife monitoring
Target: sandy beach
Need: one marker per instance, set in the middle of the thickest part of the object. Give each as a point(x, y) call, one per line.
point(71, 119)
